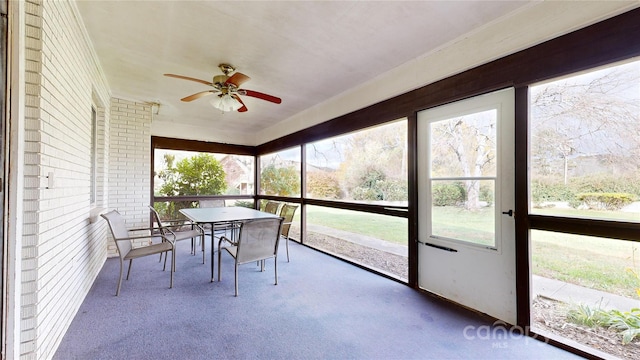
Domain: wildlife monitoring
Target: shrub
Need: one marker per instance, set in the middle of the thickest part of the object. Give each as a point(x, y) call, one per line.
point(542, 191)
point(362, 193)
point(393, 190)
point(607, 183)
point(486, 194)
point(448, 194)
point(606, 201)
point(627, 323)
point(584, 315)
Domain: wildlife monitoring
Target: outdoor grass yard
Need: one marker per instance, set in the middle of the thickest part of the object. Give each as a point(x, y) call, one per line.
point(600, 264)
point(389, 228)
point(457, 223)
point(595, 263)
point(590, 214)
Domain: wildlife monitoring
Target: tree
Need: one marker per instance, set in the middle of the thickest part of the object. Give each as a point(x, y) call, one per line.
point(592, 116)
point(465, 147)
point(282, 181)
point(323, 185)
point(197, 175)
point(375, 163)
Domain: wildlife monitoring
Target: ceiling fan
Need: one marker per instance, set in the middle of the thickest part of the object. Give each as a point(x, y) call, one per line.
point(227, 89)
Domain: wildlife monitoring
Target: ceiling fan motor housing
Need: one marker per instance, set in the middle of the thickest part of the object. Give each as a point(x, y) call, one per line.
point(219, 81)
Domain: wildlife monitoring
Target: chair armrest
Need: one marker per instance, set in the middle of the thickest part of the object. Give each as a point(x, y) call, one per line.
point(172, 233)
point(177, 224)
point(145, 229)
point(224, 238)
point(152, 236)
point(185, 221)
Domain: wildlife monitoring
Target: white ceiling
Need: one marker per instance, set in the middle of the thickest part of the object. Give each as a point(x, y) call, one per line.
point(305, 52)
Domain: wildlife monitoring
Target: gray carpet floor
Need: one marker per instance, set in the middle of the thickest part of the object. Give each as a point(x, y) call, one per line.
point(322, 308)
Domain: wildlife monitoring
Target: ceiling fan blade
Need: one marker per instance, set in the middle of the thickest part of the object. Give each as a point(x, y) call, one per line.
point(244, 107)
point(197, 95)
point(237, 79)
point(262, 96)
point(189, 78)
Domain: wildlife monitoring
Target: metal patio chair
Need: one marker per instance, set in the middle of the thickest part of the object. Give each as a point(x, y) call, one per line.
point(272, 207)
point(123, 237)
point(286, 212)
point(220, 229)
point(257, 241)
point(178, 230)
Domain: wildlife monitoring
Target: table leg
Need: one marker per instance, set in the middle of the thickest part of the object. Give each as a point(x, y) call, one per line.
point(213, 251)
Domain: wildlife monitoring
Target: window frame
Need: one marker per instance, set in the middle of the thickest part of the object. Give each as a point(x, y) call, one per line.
point(93, 175)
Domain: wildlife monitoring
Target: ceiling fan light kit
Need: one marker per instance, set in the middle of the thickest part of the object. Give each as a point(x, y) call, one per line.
point(227, 90)
point(225, 102)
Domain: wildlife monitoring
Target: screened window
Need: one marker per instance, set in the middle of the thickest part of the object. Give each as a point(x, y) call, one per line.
point(377, 241)
point(280, 173)
point(187, 173)
point(585, 144)
point(365, 166)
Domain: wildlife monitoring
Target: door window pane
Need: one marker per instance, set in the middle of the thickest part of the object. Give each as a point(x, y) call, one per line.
point(463, 176)
point(464, 146)
point(452, 219)
point(585, 144)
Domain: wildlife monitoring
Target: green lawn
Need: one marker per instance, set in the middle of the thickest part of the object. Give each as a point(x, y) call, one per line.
point(389, 228)
point(473, 226)
point(591, 262)
point(595, 263)
point(591, 214)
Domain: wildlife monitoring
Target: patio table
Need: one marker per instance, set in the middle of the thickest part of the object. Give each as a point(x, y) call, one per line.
point(221, 215)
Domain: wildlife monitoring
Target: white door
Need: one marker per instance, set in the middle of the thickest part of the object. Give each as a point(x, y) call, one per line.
point(466, 196)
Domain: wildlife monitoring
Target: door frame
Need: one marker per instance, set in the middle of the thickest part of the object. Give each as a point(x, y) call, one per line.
point(499, 271)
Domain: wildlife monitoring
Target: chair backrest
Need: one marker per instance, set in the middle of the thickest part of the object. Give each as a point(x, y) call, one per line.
point(272, 207)
point(156, 219)
point(287, 213)
point(119, 231)
point(211, 203)
point(258, 239)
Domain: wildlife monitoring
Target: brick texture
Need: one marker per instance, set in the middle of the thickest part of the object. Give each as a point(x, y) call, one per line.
point(62, 250)
point(129, 163)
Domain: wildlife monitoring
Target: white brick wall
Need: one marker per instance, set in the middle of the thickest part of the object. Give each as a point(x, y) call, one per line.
point(62, 252)
point(130, 163)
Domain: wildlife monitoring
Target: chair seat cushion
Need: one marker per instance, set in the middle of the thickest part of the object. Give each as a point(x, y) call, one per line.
point(149, 250)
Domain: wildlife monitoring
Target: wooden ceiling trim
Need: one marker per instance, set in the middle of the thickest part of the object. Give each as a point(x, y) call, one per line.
point(203, 146)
